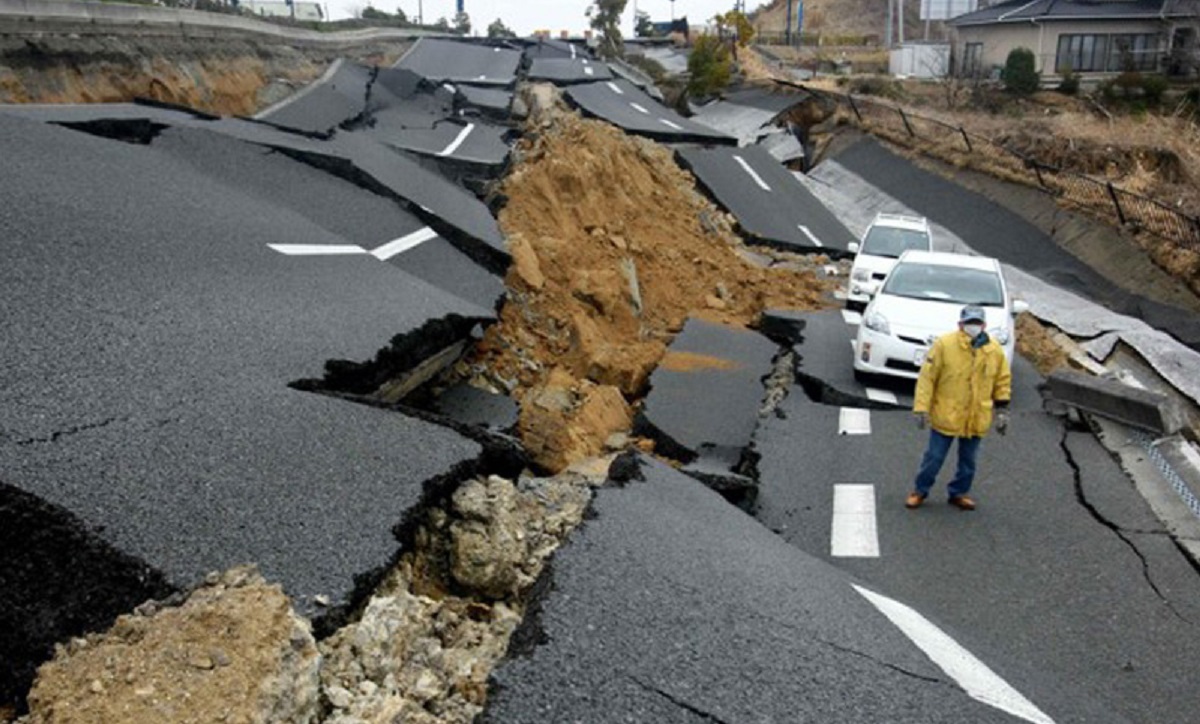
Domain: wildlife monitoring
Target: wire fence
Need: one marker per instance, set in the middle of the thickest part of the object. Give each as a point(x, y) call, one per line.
point(1129, 209)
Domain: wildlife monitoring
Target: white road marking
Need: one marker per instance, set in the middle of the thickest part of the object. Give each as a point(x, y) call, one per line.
point(589, 70)
point(669, 124)
point(616, 89)
point(851, 317)
point(449, 87)
point(317, 249)
point(854, 533)
point(639, 109)
point(753, 174)
point(882, 395)
point(404, 243)
point(573, 52)
point(809, 234)
point(854, 421)
point(458, 141)
point(980, 682)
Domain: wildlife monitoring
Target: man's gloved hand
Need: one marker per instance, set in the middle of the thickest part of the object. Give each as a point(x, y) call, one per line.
point(1000, 422)
point(922, 419)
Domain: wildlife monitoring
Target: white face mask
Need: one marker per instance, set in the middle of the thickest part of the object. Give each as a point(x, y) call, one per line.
point(973, 330)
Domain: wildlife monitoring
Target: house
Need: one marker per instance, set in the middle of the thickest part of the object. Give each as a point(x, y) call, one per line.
point(1092, 38)
point(283, 9)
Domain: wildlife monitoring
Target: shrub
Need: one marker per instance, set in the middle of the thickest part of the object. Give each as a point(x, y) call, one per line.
point(709, 65)
point(1069, 85)
point(1019, 74)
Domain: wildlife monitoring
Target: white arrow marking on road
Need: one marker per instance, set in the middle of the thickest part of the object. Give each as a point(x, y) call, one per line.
point(881, 395)
point(458, 140)
point(980, 682)
point(851, 317)
point(753, 174)
point(404, 243)
point(809, 234)
point(616, 89)
point(854, 421)
point(317, 249)
point(854, 534)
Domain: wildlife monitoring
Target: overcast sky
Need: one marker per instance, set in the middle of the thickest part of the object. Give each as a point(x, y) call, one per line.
point(525, 16)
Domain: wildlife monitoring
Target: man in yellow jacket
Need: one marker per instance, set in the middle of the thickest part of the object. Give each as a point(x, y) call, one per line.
point(964, 378)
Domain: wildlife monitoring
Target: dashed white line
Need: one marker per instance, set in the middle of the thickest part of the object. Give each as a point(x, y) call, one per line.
point(639, 109)
point(573, 52)
point(854, 533)
point(851, 317)
point(752, 173)
point(449, 87)
point(458, 140)
point(404, 243)
point(669, 124)
point(809, 234)
point(589, 70)
point(616, 89)
point(317, 249)
point(854, 421)
point(882, 395)
point(980, 682)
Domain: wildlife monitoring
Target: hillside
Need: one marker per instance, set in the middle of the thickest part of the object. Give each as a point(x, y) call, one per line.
point(834, 17)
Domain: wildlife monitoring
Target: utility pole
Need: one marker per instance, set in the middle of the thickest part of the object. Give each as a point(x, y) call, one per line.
point(887, 35)
point(787, 27)
point(901, 8)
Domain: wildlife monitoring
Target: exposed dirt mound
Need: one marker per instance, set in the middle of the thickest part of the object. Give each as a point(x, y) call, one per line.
point(1093, 157)
point(613, 249)
point(1035, 344)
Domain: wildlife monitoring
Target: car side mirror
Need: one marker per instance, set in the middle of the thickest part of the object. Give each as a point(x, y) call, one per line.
point(853, 247)
point(1019, 306)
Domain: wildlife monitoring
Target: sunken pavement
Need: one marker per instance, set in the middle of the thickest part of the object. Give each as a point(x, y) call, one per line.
point(196, 310)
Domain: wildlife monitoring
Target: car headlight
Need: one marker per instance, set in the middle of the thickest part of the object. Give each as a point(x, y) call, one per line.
point(1000, 334)
point(876, 322)
point(860, 275)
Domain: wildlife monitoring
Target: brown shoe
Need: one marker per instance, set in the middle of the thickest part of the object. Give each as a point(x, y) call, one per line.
point(963, 502)
point(914, 500)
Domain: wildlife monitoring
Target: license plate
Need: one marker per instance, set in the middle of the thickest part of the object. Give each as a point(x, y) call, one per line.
point(919, 356)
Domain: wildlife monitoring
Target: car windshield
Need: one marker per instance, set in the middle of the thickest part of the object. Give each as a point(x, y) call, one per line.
point(945, 284)
point(892, 242)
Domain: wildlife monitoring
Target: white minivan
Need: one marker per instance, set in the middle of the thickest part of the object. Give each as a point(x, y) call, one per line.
point(888, 236)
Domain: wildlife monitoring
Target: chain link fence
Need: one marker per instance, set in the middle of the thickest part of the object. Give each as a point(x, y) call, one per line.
point(1130, 209)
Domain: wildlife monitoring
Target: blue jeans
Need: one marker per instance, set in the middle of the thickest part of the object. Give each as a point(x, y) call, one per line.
point(935, 455)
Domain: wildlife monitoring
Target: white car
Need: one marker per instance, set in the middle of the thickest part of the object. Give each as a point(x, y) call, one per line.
point(888, 236)
point(921, 300)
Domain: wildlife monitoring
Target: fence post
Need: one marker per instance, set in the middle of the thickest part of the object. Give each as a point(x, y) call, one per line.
point(905, 119)
point(854, 107)
point(966, 139)
point(1112, 194)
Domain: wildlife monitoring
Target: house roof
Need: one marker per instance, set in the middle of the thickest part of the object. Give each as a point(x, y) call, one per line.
point(1021, 11)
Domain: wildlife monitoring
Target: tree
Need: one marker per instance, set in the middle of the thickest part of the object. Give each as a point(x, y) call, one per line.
point(605, 18)
point(1019, 74)
point(499, 30)
point(401, 16)
point(642, 27)
point(462, 23)
point(370, 13)
point(709, 66)
point(442, 24)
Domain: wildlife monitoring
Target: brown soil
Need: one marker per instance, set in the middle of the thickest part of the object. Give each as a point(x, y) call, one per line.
point(1035, 344)
point(613, 249)
point(692, 362)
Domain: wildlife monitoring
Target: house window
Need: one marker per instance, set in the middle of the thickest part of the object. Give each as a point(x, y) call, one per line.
point(972, 63)
point(1096, 53)
point(1133, 52)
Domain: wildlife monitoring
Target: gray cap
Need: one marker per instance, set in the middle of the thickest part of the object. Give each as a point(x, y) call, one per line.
point(972, 312)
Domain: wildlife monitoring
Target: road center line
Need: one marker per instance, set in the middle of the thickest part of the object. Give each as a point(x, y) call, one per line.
point(854, 421)
point(670, 124)
point(317, 249)
point(851, 317)
point(980, 682)
point(638, 108)
point(854, 533)
point(588, 70)
point(404, 243)
point(752, 173)
point(458, 140)
point(811, 237)
point(882, 395)
point(616, 89)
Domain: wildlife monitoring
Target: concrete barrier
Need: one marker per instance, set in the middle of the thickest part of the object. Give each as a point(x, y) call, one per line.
point(1116, 400)
point(47, 15)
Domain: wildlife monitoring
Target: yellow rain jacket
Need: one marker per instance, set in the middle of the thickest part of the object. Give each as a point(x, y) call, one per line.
point(959, 384)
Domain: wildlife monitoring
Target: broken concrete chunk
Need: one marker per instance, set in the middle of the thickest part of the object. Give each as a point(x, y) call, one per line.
point(1116, 400)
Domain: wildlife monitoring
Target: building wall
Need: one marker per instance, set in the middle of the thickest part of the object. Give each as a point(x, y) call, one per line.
point(1041, 38)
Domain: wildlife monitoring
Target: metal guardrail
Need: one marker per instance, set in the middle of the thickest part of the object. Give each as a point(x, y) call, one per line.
point(1130, 209)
